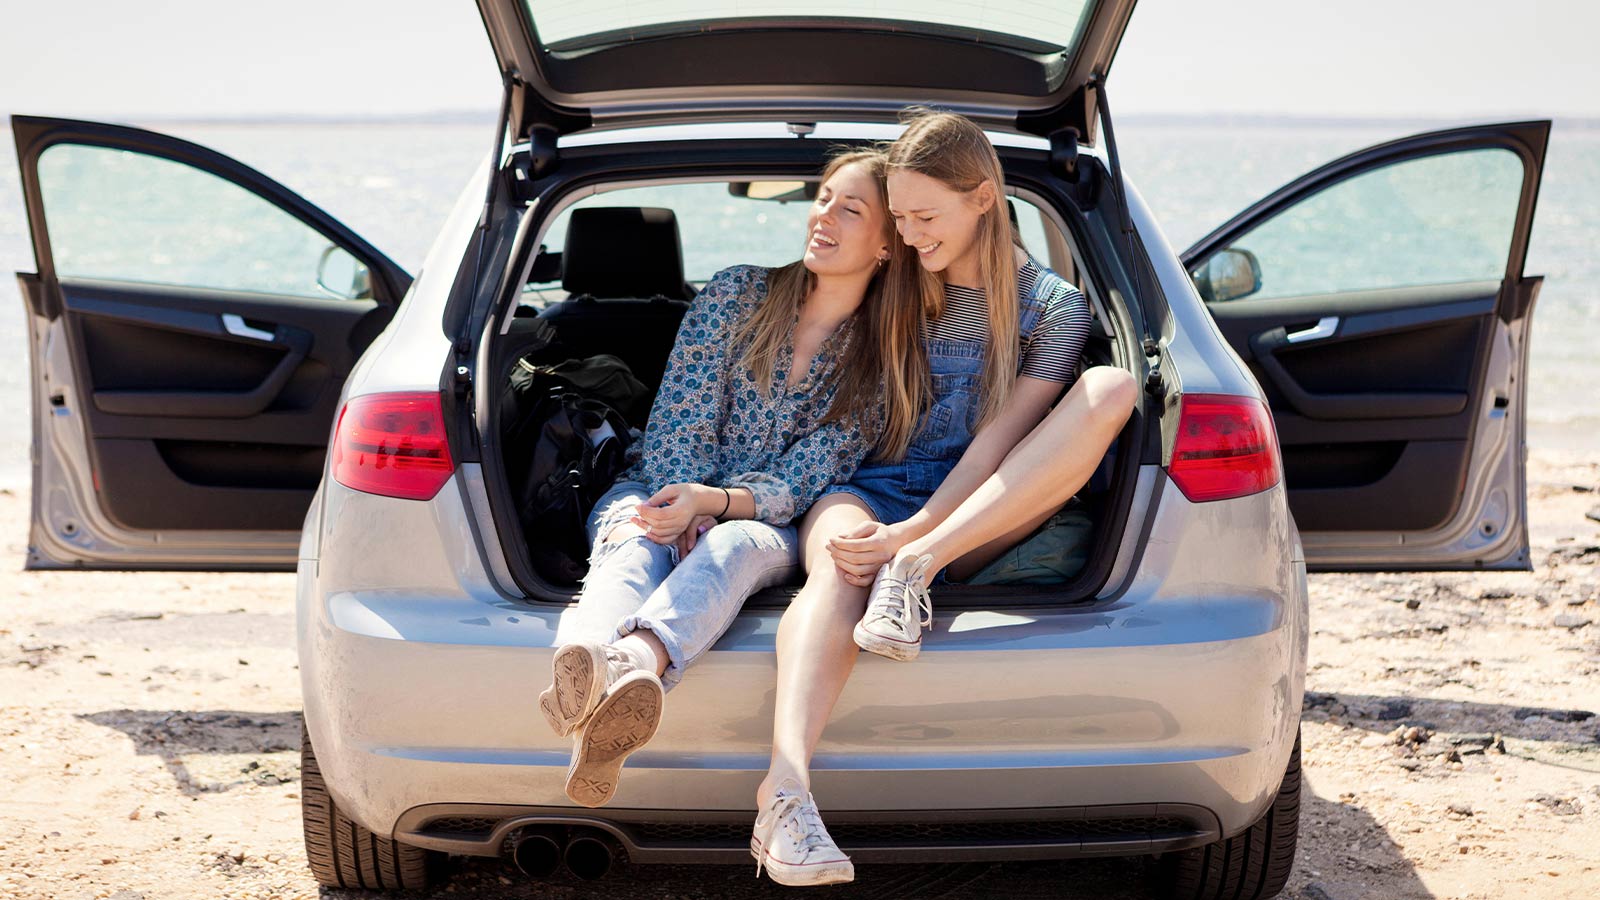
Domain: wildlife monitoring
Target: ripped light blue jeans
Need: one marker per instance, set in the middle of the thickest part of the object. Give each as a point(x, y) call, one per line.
point(636, 583)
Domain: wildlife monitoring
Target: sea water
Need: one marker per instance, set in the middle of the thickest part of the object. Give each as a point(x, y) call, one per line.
point(394, 184)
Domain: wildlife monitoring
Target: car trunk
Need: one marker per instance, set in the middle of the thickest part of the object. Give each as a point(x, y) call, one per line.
point(639, 325)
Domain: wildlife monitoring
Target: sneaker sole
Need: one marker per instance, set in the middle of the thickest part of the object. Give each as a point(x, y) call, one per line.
point(623, 722)
point(790, 875)
point(576, 684)
point(901, 651)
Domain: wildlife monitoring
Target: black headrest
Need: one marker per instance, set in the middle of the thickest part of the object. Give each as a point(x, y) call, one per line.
point(630, 251)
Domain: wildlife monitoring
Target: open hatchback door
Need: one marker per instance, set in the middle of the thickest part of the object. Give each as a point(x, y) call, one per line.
point(1381, 303)
point(1018, 67)
point(191, 325)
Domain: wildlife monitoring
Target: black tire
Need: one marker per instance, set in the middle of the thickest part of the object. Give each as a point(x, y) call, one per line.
point(343, 854)
point(1251, 865)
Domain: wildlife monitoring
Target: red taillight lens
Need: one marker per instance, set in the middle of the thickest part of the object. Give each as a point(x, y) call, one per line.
point(392, 444)
point(1226, 447)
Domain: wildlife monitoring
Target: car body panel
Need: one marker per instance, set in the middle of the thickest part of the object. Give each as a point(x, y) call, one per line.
point(770, 68)
point(417, 683)
point(1401, 410)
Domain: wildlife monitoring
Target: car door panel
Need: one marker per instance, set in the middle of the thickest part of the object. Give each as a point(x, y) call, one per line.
point(181, 424)
point(1398, 406)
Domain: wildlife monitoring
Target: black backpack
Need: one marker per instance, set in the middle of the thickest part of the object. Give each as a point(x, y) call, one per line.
point(564, 445)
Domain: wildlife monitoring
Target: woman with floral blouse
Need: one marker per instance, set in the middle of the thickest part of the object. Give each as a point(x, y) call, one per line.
point(774, 390)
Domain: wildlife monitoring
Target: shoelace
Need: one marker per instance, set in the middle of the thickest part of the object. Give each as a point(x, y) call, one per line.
point(805, 829)
point(904, 598)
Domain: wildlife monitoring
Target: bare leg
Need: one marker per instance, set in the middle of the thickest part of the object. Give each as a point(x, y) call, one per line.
point(815, 650)
point(1036, 478)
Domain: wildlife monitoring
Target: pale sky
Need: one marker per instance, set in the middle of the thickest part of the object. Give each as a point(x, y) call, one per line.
point(1383, 58)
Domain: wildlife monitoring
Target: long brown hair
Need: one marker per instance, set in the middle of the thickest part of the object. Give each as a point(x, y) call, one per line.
point(954, 151)
point(868, 377)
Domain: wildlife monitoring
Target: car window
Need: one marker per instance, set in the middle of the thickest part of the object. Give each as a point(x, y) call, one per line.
point(1058, 22)
point(127, 216)
point(719, 228)
point(1438, 219)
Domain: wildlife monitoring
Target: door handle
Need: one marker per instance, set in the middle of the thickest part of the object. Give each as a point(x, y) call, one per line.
point(234, 324)
point(1325, 328)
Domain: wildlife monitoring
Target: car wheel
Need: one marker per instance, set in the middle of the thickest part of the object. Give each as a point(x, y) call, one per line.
point(1251, 865)
point(343, 854)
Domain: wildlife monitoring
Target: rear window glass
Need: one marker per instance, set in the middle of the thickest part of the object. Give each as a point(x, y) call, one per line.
point(719, 228)
point(1053, 22)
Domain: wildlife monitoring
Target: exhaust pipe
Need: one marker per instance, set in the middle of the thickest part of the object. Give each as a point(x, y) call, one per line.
point(537, 852)
point(588, 855)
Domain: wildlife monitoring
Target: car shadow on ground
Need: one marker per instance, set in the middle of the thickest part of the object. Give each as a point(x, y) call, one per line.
point(175, 734)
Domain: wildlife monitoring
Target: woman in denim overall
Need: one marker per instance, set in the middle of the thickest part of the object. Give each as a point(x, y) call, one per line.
point(995, 456)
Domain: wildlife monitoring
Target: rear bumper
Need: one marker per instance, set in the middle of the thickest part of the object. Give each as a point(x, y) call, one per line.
point(1173, 705)
point(917, 836)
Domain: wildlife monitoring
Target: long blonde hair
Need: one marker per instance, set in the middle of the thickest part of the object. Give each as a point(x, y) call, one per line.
point(868, 376)
point(954, 151)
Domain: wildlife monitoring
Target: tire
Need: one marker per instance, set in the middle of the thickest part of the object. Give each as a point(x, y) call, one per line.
point(1251, 865)
point(343, 854)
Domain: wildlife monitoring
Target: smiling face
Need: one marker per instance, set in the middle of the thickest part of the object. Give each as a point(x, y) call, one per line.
point(848, 228)
point(940, 223)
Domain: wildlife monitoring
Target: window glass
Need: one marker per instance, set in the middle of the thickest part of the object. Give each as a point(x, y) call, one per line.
point(719, 229)
point(1054, 22)
point(1432, 220)
point(126, 216)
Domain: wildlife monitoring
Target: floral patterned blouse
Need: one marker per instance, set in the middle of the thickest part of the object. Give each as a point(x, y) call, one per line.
point(712, 424)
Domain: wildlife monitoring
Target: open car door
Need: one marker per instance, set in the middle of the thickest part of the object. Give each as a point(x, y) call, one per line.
point(191, 325)
point(1380, 301)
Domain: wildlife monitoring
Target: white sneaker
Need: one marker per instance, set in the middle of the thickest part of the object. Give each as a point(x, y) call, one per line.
point(792, 844)
point(580, 675)
point(898, 608)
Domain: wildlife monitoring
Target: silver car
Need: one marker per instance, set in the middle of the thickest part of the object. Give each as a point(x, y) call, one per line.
point(230, 379)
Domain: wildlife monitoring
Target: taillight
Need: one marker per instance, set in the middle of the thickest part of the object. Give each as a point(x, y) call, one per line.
point(1226, 447)
point(392, 444)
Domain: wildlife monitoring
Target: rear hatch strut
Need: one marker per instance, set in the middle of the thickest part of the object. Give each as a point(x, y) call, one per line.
point(1144, 293)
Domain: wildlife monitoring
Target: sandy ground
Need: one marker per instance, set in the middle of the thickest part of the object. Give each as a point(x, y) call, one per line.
point(149, 735)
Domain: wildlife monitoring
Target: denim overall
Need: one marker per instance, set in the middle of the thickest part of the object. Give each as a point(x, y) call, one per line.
point(894, 491)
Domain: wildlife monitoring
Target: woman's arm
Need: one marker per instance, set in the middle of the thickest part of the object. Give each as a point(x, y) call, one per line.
point(829, 454)
point(678, 449)
point(680, 437)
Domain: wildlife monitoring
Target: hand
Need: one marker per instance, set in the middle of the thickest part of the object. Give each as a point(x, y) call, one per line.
point(665, 516)
point(861, 551)
point(696, 530)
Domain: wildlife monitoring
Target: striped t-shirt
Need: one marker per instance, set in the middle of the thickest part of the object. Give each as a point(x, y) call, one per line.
point(1051, 353)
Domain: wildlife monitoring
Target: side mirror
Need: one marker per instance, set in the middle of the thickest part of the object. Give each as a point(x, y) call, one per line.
point(1228, 275)
point(342, 275)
